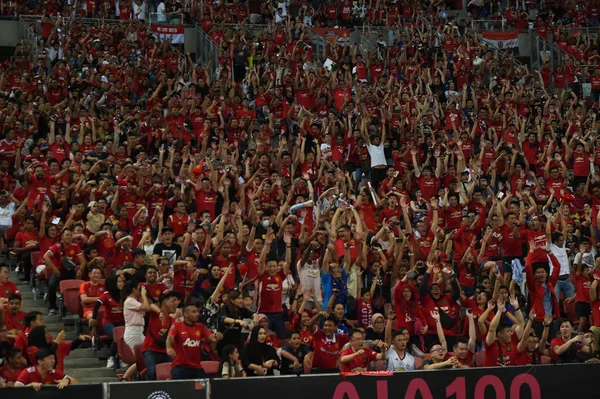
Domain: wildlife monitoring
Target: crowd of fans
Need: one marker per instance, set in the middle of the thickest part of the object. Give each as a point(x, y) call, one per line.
point(423, 204)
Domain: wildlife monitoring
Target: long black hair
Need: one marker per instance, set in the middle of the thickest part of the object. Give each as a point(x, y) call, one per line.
point(111, 284)
point(37, 337)
point(225, 353)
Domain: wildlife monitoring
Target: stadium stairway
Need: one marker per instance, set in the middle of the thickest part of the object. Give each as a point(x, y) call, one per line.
point(85, 363)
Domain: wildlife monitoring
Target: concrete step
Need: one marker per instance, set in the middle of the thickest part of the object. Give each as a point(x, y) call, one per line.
point(95, 372)
point(31, 308)
point(90, 353)
point(82, 362)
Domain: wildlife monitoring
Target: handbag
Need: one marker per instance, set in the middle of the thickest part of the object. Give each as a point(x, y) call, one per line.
point(66, 263)
point(447, 322)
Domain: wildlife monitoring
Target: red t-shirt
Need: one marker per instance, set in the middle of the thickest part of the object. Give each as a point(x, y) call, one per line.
point(187, 344)
point(32, 374)
point(582, 289)
point(92, 291)
point(269, 292)
point(429, 187)
point(113, 310)
point(512, 246)
point(509, 352)
point(327, 351)
point(183, 282)
point(359, 363)
point(72, 252)
point(10, 376)
point(156, 329)
point(205, 201)
point(6, 290)
point(15, 324)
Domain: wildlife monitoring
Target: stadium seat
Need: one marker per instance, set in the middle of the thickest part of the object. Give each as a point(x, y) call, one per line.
point(139, 361)
point(546, 360)
point(479, 359)
point(418, 363)
point(126, 355)
point(380, 365)
point(69, 290)
point(163, 371)
point(211, 368)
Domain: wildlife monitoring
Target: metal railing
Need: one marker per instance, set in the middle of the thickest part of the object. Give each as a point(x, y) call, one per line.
point(30, 31)
point(206, 51)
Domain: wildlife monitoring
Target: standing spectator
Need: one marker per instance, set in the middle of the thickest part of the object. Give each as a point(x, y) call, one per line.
point(62, 259)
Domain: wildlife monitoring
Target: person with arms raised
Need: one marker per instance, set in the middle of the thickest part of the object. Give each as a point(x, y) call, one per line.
point(501, 342)
point(542, 295)
point(61, 258)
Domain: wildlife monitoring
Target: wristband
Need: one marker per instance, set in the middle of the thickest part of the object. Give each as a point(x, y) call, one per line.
point(519, 308)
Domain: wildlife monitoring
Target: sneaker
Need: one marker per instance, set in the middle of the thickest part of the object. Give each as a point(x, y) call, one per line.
point(110, 364)
point(123, 365)
point(52, 312)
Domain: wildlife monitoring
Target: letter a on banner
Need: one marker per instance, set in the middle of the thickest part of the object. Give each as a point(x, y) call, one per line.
point(418, 385)
point(345, 390)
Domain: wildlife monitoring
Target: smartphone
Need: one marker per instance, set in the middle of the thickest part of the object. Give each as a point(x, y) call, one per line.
point(55, 220)
point(500, 195)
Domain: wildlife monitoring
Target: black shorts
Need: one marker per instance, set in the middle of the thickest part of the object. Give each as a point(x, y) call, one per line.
point(583, 309)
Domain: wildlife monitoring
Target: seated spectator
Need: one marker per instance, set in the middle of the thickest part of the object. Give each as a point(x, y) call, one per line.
point(44, 373)
point(13, 367)
point(40, 338)
point(293, 354)
point(356, 357)
point(230, 366)
point(14, 317)
point(258, 358)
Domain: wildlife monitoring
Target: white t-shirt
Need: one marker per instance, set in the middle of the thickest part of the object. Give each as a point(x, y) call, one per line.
point(132, 312)
point(6, 214)
point(139, 11)
point(377, 155)
point(394, 363)
point(588, 258)
point(161, 10)
point(309, 275)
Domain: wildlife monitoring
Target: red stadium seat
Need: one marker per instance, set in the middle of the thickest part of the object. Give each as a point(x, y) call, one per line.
point(139, 361)
point(479, 359)
point(418, 363)
point(211, 368)
point(380, 365)
point(70, 299)
point(126, 355)
point(546, 360)
point(163, 371)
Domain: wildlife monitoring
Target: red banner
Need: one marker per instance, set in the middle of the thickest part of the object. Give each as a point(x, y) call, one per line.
point(168, 29)
point(172, 33)
point(332, 32)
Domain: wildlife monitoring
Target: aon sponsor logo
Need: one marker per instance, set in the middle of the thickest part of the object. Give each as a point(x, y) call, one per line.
point(192, 343)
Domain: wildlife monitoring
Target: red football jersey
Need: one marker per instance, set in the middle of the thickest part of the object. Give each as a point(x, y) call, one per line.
point(113, 310)
point(32, 374)
point(188, 343)
point(327, 351)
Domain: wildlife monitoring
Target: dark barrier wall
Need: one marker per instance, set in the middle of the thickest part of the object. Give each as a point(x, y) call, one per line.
point(84, 391)
point(158, 390)
point(539, 382)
